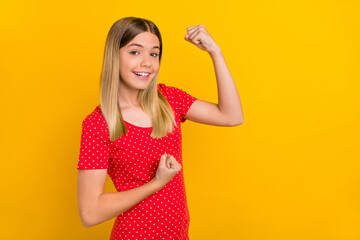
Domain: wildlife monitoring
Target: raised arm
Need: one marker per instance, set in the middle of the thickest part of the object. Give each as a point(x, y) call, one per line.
point(228, 110)
point(95, 206)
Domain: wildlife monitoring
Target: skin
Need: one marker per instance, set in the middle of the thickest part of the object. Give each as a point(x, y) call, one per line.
point(95, 206)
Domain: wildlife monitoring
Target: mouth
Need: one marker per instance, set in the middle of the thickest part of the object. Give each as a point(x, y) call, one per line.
point(142, 75)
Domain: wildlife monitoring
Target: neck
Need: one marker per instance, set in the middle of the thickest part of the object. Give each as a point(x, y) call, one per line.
point(128, 97)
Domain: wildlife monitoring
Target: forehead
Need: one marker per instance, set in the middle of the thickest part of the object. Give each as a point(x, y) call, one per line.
point(146, 39)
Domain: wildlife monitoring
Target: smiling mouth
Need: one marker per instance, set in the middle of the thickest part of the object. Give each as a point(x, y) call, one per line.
point(142, 74)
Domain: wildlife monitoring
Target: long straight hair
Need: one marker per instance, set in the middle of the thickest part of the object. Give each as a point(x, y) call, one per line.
point(151, 100)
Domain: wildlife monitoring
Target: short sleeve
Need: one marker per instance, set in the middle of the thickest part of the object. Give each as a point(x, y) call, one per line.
point(185, 100)
point(181, 100)
point(94, 147)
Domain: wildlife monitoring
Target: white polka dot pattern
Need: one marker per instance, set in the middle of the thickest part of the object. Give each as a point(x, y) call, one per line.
point(131, 161)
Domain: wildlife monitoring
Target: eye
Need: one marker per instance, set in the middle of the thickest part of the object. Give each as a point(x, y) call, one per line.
point(154, 54)
point(134, 52)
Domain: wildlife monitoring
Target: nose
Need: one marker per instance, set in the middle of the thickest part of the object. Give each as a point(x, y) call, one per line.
point(145, 61)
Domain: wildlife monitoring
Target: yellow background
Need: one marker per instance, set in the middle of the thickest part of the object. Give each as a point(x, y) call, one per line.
point(291, 171)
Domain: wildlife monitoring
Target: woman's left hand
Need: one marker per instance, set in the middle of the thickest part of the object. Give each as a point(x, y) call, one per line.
point(200, 37)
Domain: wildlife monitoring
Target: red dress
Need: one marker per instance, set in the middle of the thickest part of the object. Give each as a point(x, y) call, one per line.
point(132, 161)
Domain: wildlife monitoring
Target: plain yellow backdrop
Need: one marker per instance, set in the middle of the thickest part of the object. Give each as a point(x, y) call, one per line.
point(291, 171)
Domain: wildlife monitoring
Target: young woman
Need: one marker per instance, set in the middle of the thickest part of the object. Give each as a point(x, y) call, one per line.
point(134, 135)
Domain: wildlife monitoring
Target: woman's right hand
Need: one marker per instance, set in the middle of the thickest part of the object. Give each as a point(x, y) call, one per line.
point(167, 169)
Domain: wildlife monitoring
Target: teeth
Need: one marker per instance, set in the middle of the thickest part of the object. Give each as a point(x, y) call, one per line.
point(142, 74)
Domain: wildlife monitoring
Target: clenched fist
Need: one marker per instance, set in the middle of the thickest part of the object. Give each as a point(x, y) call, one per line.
point(167, 169)
point(200, 37)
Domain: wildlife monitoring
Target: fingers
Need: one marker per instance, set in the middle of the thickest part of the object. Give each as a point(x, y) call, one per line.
point(169, 161)
point(163, 159)
point(175, 165)
point(189, 36)
point(194, 33)
point(194, 28)
point(191, 30)
point(196, 38)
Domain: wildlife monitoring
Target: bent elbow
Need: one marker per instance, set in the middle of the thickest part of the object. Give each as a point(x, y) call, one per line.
point(236, 122)
point(87, 224)
point(87, 220)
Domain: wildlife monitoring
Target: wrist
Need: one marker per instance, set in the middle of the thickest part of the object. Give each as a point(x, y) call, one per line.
point(156, 184)
point(215, 51)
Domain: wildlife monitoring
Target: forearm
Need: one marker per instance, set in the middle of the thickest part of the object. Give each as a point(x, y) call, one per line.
point(229, 103)
point(110, 205)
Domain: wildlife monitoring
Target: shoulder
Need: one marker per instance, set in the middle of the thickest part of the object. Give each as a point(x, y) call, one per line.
point(95, 116)
point(172, 94)
point(170, 91)
point(166, 90)
point(180, 100)
point(96, 122)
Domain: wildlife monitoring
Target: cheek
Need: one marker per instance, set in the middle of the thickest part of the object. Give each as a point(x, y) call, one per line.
point(122, 70)
point(126, 64)
point(156, 64)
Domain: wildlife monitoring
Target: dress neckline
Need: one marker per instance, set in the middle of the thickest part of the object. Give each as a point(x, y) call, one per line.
point(137, 126)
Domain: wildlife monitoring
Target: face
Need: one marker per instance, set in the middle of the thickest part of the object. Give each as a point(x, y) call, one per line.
point(139, 61)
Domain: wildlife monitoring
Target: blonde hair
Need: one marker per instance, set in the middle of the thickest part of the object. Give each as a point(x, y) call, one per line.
point(151, 100)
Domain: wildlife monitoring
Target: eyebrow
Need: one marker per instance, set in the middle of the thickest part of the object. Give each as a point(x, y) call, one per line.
point(136, 44)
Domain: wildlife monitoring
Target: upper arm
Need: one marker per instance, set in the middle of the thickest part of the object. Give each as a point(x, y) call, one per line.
point(92, 166)
point(198, 110)
point(207, 113)
point(90, 186)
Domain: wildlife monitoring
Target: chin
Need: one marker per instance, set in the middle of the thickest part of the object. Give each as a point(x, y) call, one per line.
point(142, 86)
point(145, 84)
point(134, 82)
point(138, 85)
